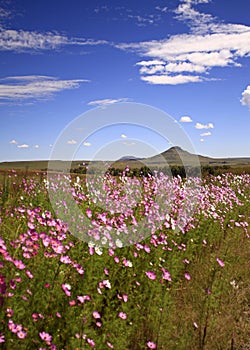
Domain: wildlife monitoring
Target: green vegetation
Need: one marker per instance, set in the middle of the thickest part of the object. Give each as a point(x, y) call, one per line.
point(185, 289)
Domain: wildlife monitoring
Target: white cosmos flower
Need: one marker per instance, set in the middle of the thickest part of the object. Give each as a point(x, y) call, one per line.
point(118, 243)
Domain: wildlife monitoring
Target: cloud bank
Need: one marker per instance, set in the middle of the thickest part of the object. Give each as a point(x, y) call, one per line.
point(185, 58)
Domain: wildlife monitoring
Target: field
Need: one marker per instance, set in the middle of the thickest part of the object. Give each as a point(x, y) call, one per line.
point(150, 262)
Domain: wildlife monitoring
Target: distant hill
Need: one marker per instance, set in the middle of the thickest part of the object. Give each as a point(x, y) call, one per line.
point(173, 156)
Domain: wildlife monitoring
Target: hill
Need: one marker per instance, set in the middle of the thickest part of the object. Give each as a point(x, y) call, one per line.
point(173, 156)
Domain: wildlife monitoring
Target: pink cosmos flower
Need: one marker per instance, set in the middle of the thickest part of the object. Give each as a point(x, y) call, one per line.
point(65, 259)
point(96, 314)
point(89, 213)
point(19, 264)
point(9, 312)
point(111, 346)
point(187, 276)
point(122, 315)
point(151, 345)
point(2, 338)
point(151, 275)
point(125, 298)
point(29, 274)
point(91, 342)
point(66, 288)
point(21, 334)
point(220, 262)
point(45, 336)
point(166, 275)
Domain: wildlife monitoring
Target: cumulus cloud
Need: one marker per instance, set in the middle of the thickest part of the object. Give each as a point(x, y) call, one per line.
point(36, 146)
point(204, 126)
point(24, 145)
point(71, 142)
point(185, 119)
point(13, 142)
point(246, 97)
point(206, 134)
point(184, 58)
point(107, 101)
point(171, 80)
point(34, 87)
point(123, 136)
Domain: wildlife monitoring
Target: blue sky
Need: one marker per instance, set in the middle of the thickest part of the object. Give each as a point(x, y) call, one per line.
point(61, 59)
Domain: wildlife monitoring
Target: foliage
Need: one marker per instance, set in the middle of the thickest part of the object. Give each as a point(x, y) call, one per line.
point(186, 286)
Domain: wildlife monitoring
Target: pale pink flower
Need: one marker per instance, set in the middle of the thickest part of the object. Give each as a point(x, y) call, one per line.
point(96, 314)
point(220, 262)
point(29, 274)
point(66, 288)
point(125, 297)
point(187, 276)
point(111, 346)
point(91, 342)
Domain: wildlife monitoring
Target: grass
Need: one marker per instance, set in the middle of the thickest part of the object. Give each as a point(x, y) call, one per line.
point(173, 290)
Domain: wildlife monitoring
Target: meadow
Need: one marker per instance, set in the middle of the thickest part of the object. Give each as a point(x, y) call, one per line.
point(183, 286)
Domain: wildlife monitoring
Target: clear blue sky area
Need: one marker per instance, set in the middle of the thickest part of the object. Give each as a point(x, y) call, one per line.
point(60, 59)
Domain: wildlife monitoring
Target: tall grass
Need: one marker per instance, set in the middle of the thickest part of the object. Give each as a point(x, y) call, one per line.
point(173, 290)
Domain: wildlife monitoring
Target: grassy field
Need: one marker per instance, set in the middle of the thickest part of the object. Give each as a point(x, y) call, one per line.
point(186, 286)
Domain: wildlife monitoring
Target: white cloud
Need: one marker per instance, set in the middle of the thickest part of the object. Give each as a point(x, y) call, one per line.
point(182, 58)
point(185, 119)
point(142, 21)
point(4, 13)
point(123, 136)
point(152, 69)
point(206, 134)
point(24, 145)
point(71, 142)
point(34, 87)
point(20, 40)
point(149, 63)
point(201, 140)
point(36, 146)
point(13, 142)
point(171, 80)
point(126, 143)
point(196, 20)
point(162, 9)
point(86, 144)
point(246, 97)
point(107, 101)
point(204, 126)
